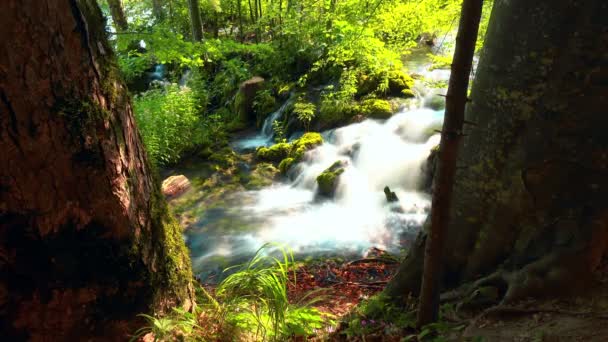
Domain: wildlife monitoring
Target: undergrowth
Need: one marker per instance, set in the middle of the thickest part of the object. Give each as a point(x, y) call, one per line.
point(250, 304)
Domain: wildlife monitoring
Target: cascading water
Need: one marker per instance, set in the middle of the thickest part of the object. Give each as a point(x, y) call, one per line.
point(375, 154)
point(266, 135)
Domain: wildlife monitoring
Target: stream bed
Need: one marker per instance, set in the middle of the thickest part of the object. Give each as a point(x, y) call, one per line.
point(227, 229)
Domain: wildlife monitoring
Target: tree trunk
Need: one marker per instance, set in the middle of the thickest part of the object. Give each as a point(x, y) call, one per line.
point(251, 12)
point(195, 20)
point(157, 10)
point(531, 188)
point(456, 99)
point(118, 15)
point(86, 240)
point(240, 14)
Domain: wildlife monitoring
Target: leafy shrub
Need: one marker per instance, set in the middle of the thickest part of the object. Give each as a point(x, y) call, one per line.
point(305, 113)
point(169, 122)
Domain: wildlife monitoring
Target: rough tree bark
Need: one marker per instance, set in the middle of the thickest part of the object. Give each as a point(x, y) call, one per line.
point(195, 20)
point(451, 134)
point(118, 15)
point(530, 211)
point(86, 241)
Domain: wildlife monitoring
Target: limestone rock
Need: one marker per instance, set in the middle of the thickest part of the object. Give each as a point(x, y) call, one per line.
point(175, 186)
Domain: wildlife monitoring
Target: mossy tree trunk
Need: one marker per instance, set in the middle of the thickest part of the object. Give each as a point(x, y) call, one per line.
point(86, 240)
point(530, 209)
point(118, 15)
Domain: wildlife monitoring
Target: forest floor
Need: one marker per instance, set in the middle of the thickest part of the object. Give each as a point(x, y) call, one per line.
point(346, 284)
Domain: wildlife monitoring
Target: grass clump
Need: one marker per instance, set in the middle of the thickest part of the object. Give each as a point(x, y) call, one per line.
point(250, 304)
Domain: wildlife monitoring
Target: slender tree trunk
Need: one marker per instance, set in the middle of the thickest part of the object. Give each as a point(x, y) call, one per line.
point(240, 14)
point(157, 10)
point(195, 20)
point(260, 8)
point(86, 240)
point(531, 194)
point(251, 12)
point(448, 151)
point(118, 15)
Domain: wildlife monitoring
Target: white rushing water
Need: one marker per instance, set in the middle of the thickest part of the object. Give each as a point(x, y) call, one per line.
point(376, 154)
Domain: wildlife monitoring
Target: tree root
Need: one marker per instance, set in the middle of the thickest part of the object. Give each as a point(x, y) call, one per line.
point(512, 310)
point(381, 260)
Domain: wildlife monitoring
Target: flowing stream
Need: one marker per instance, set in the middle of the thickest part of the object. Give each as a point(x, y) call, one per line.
point(376, 154)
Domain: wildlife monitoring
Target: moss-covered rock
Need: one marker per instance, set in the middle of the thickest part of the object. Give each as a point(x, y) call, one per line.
point(307, 142)
point(398, 81)
point(334, 113)
point(376, 109)
point(262, 175)
point(328, 179)
point(244, 101)
point(285, 165)
point(274, 153)
point(278, 153)
point(407, 93)
point(224, 158)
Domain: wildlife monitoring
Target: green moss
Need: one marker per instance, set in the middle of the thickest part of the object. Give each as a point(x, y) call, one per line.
point(376, 108)
point(294, 150)
point(334, 113)
point(398, 81)
point(263, 175)
point(285, 165)
point(225, 158)
point(274, 153)
point(408, 93)
point(173, 276)
point(328, 179)
point(307, 142)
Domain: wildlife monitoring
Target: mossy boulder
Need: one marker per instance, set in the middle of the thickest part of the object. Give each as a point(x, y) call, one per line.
point(328, 179)
point(274, 153)
point(287, 154)
point(263, 175)
point(244, 102)
point(376, 109)
point(306, 142)
point(334, 113)
point(398, 82)
point(285, 165)
point(224, 158)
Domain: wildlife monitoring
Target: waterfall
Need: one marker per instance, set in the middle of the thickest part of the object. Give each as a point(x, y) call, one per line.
point(374, 154)
point(266, 136)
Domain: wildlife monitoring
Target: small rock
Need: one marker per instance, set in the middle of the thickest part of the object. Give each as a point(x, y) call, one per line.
point(328, 179)
point(175, 186)
point(391, 197)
